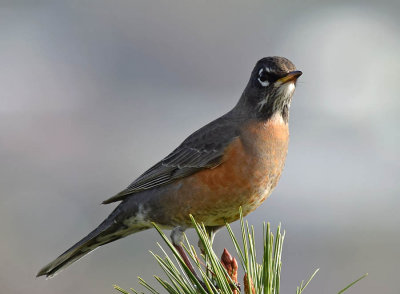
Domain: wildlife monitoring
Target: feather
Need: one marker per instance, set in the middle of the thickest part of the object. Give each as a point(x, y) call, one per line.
point(203, 149)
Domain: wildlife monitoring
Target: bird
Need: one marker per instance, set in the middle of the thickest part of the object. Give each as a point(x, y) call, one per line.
point(234, 161)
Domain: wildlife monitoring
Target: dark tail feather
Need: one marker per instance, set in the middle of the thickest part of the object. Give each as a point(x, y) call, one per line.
point(106, 232)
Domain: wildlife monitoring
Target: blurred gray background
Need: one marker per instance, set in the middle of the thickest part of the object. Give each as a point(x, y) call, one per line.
point(93, 93)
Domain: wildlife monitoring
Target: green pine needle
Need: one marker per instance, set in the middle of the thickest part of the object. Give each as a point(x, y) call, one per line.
point(351, 284)
point(303, 286)
point(263, 274)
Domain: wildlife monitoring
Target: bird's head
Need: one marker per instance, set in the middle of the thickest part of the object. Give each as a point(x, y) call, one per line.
point(270, 88)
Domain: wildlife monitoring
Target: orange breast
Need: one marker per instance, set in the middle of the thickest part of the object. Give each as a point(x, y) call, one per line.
point(251, 167)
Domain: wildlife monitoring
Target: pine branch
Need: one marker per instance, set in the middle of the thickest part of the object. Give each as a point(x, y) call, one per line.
point(220, 275)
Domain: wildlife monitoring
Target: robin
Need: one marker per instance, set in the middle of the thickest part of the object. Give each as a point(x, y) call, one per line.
point(234, 161)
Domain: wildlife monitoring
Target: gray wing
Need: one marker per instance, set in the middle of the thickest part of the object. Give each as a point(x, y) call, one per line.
point(203, 149)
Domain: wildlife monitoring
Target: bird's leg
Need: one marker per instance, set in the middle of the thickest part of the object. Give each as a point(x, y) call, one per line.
point(211, 231)
point(177, 240)
point(185, 258)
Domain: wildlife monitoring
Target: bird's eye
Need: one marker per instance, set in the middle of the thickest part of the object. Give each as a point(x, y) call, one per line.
point(262, 77)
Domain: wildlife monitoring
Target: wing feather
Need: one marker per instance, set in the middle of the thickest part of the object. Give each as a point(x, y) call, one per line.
point(203, 149)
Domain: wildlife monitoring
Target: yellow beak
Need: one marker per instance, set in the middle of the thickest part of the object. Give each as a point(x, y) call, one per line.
point(292, 76)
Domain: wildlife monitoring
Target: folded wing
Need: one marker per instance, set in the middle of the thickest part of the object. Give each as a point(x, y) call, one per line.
point(203, 149)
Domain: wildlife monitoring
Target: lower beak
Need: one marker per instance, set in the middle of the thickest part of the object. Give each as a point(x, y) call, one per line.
point(290, 77)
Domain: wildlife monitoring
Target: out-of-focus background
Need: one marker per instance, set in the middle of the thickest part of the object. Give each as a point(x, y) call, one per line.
point(94, 93)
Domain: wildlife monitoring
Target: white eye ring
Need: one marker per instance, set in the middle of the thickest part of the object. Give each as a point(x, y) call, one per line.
point(263, 83)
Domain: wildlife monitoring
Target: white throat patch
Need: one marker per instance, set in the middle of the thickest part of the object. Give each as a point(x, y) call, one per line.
point(284, 90)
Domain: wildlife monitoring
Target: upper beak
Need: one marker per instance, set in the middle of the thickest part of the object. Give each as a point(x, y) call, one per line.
point(292, 76)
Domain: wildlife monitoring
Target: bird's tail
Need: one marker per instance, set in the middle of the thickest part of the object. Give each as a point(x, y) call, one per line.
point(109, 230)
